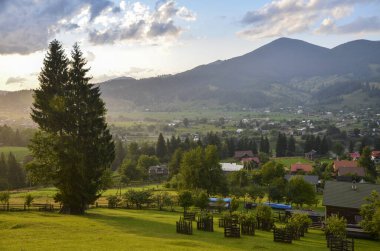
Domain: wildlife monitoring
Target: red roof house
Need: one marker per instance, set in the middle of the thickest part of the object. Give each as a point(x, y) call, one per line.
point(344, 163)
point(355, 155)
point(307, 168)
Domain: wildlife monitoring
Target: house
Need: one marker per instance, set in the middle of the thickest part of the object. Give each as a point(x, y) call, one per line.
point(344, 163)
point(231, 167)
point(300, 167)
point(346, 198)
point(311, 179)
point(311, 155)
point(158, 171)
point(375, 156)
point(243, 154)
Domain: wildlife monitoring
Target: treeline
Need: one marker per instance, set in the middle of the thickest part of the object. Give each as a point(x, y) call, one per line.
point(12, 174)
point(15, 137)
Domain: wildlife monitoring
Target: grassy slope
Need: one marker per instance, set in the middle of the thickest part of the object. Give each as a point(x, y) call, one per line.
point(106, 229)
point(287, 161)
point(19, 152)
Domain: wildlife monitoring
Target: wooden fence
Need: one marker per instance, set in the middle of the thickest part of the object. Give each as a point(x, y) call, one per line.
point(184, 227)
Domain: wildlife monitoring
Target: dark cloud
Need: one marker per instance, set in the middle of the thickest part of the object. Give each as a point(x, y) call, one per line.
point(361, 24)
point(27, 25)
point(162, 29)
point(15, 80)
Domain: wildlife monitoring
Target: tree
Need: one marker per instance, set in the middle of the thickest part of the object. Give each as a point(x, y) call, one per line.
point(175, 162)
point(371, 214)
point(145, 162)
point(201, 200)
point(4, 198)
point(366, 162)
point(16, 176)
point(120, 153)
point(3, 173)
point(300, 192)
point(186, 122)
point(185, 199)
point(74, 149)
point(277, 189)
point(161, 147)
point(281, 145)
point(338, 149)
point(272, 170)
point(129, 171)
point(28, 200)
point(291, 146)
point(324, 145)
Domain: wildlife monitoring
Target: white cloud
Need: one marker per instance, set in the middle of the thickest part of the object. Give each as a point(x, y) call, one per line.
point(287, 17)
point(15, 80)
point(26, 26)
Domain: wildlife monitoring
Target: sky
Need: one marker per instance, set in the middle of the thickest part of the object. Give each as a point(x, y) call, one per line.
point(148, 38)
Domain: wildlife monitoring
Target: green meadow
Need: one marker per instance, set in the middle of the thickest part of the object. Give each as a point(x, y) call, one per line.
point(19, 152)
point(121, 229)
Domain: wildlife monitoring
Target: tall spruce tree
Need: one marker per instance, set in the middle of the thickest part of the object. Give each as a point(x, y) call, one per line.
point(3, 173)
point(74, 149)
point(291, 146)
point(161, 147)
point(16, 176)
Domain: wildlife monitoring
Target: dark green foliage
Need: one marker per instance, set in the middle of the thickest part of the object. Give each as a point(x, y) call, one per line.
point(277, 189)
point(300, 192)
point(366, 162)
point(264, 145)
point(281, 145)
point(28, 200)
point(144, 162)
point(291, 150)
point(113, 201)
point(161, 147)
point(3, 173)
point(74, 148)
point(200, 169)
point(128, 171)
point(11, 137)
point(16, 176)
point(139, 198)
point(175, 162)
point(186, 122)
point(324, 146)
point(201, 200)
point(4, 197)
point(272, 170)
point(185, 199)
point(120, 153)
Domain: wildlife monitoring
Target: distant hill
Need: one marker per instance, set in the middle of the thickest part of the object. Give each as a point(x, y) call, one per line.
point(281, 73)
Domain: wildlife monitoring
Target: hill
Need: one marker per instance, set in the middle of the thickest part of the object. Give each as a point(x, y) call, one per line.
point(285, 72)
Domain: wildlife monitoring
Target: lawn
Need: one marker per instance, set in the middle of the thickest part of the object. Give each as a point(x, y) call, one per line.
point(19, 152)
point(120, 229)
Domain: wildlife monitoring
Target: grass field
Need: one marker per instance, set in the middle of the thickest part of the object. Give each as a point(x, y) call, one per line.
point(287, 161)
point(120, 229)
point(19, 152)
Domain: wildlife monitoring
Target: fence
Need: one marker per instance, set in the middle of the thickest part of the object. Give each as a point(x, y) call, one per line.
point(33, 207)
point(205, 223)
point(184, 226)
point(282, 235)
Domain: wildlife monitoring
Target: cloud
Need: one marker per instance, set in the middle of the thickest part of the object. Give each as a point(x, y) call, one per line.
point(26, 26)
point(15, 80)
point(361, 24)
point(90, 56)
point(286, 17)
point(135, 22)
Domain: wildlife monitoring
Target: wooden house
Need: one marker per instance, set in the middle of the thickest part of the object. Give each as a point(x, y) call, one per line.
point(346, 198)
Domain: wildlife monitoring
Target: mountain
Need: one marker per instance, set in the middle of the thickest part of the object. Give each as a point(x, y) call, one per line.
point(283, 72)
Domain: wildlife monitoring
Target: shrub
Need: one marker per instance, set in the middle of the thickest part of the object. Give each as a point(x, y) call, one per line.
point(138, 197)
point(336, 226)
point(4, 197)
point(201, 200)
point(28, 200)
point(113, 201)
point(185, 199)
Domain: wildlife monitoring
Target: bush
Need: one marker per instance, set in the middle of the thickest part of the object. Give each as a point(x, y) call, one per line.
point(4, 197)
point(185, 199)
point(371, 214)
point(234, 205)
point(336, 226)
point(201, 200)
point(138, 197)
point(28, 200)
point(113, 201)
point(298, 223)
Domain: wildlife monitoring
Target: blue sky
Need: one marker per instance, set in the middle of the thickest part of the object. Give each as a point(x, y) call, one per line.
point(149, 38)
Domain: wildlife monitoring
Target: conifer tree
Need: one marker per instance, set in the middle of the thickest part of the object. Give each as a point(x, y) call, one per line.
point(74, 149)
point(161, 147)
point(16, 176)
point(3, 173)
point(291, 146)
